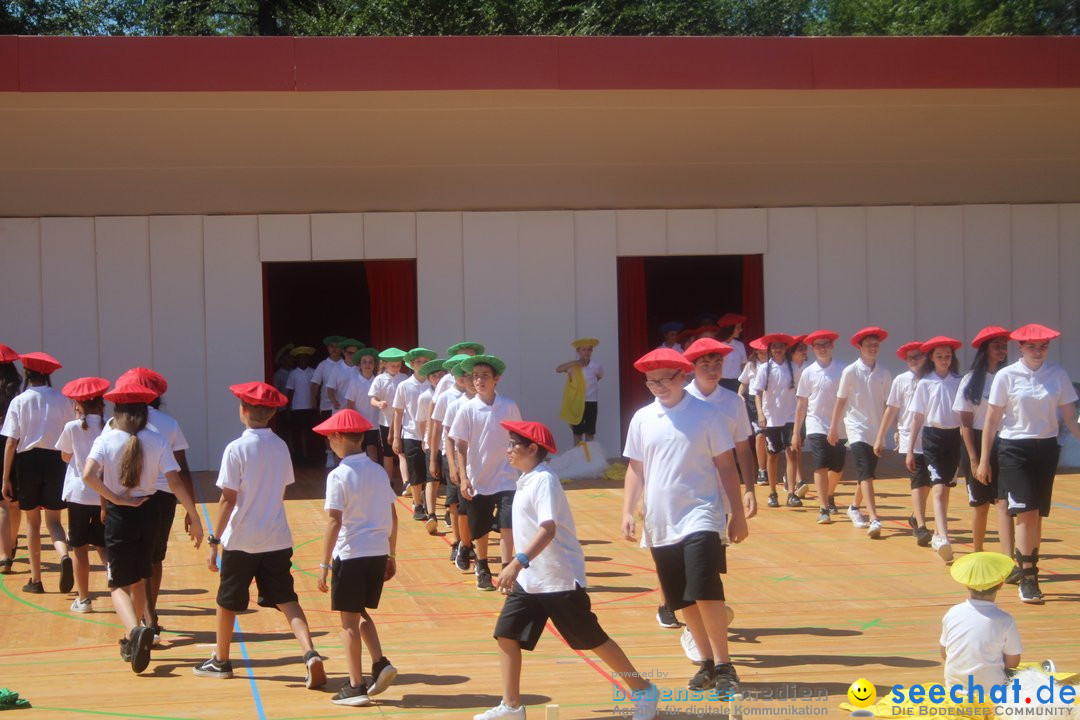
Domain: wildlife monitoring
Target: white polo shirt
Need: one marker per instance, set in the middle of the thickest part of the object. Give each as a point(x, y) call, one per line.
point(405, 398)
point(730, 405)
point(934, 397)
point(445, 383)
point(477, 423)
point(167, 425)
point(360, 489)
point(357, 394)
point(324, 375)
point(424, 406)
point(592, 373)
point(734, 360)
point(439, 412)
point(37, 416)
point(108, 449)
point(383, 387)
point(774, 383)
point(818, 385)
point(962, 404)
point(76, 442)
point(676, 447)
point(903, 387)
point(1030, 399)
point(300, 383)
point(975, 635)
point(866, 390)
point(258, 467)
point(560, 567)
point(343, 379)
point(746, 377)
point(452, 408)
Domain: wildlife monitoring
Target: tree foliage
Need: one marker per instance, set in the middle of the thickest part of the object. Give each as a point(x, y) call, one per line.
point(540, 17)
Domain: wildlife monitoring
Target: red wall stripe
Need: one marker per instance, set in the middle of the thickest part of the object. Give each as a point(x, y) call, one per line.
point(9, 63)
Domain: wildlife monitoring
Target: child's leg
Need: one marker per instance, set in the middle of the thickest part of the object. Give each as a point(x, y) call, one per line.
point(9, 528)
point(370, 635)
point(762, 451)
point(372, 452)
point(225, 621)
point(417, 495)
point(431, 495)
point(774, 471)
point(510, 665)
point(822, 483)
point(857, 500)
point(834, 482)
point(621, 667)
point(506, 546)
point(867, 486)
point(81, 559)
point(130, 604)
point(56, 531)
point(791, 469)
point(1006, 535)
point(153, 588)
point(918, 504)
point(351, 639)
point(480, 545)
point(707, 620)
point(455, 518)
point(33, 542)
point(979, 513)
point(941, 510)
point(298, 623)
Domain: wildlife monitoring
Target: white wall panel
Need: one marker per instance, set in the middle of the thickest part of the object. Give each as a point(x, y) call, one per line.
point(890, 272)
point(69, 296)
point(791, 277)
point(641, 232)
point(491, 271)
point(1035, 257)
point(691, 232)
point(179, 332)
point(20, 283)
point(337, 236)
point(389, 235)
point(842, 282)
point(939, 257)
point(987, 275)
point(234, 320)
point(125, 325)
point(440, 281)
point(1068, 345)
point(742, 231)
point(597, 313)
point(284, 238)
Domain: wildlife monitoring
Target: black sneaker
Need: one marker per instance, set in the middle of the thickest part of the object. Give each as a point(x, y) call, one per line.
point(762, 477)
point(665, 617)
point(141, 638)
point(1014, 576)
point(793, 500)
point(923, 537)
point(214, 668)
point(418, 513)
point(352, 695)
point(382, 674)
point(34, 587)
point(773, 502)
point(316, 673)
point(483, 579)
point(1029, 590)
point(453, 551)
point(67, 574)
point(463, 557)
point(726, 681)
point(446, 519)
point(704, 679)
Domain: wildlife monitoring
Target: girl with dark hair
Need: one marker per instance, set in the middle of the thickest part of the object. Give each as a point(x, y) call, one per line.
point(774, 397)
point(731, 327)
point(933, 416)
point(9, 510)
point(992, 346)
point(33, 424)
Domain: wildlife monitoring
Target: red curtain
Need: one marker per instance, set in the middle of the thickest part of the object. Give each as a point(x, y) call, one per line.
point(753, 297)
point(392, 295)
point(634, 339)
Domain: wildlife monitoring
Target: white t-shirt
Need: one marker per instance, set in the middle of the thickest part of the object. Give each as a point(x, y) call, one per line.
point(424, 405)
point(676, 447)
point(167, 425)
point(962, 404)
point(934, 397)
point(439, 413)
point(452, 408)
point(383, 388)
point(76, 442)
point(1030, 399)
point(406, 398)
point(866, 391)
point(975, 635)
point(357, 394)
point(108, 449)
point(730, 405)
point(342, 380)
point(445, 383)
point(36, 416)
point(774, 383)
point(747, 375)
point(300, 383)
point(258, 467)
point(819, 386)
point(903, 387)
point(477, 423)
point(560, 567)
point(360, 489)
point(592, 373)
point(734, 360)
point(325, 374)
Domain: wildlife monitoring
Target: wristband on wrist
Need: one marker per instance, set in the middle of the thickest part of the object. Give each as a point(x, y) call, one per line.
point(324, 566)
point(213, 540)
point(522, 559)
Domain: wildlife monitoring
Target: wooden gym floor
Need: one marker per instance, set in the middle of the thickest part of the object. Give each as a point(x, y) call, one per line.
point(817, 607)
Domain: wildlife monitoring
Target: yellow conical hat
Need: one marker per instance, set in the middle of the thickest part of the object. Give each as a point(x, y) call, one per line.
point(982, 570)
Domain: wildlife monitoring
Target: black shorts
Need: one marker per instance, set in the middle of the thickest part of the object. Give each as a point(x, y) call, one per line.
point(443, 468)
point(41, 479)
point(356, 584)
point(372, 439)
point(415, 460)
point(129, 543)
point(272, 572)
point(826, 456)
point(524, 616)
point(921, 477)
point(587, 426)
point(85, 526)
point(384, 444)
point(778, 438)
point(165, 505)
point(481, 511)
point(690, 569)
point(942, 449)
point(865, 460)
point(1027, 473)
point(979, 494)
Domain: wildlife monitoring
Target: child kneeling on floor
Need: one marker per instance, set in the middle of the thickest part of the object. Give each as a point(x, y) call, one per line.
point(546, 579)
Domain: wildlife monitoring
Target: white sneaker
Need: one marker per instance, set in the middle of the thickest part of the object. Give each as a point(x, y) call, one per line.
point(857, 518)
point(81, 606)
point(502, 710)
point(645, 703)
point(942, 547)
point(874, 531)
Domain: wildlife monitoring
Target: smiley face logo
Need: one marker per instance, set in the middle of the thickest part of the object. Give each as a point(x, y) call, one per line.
point(862, 693)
